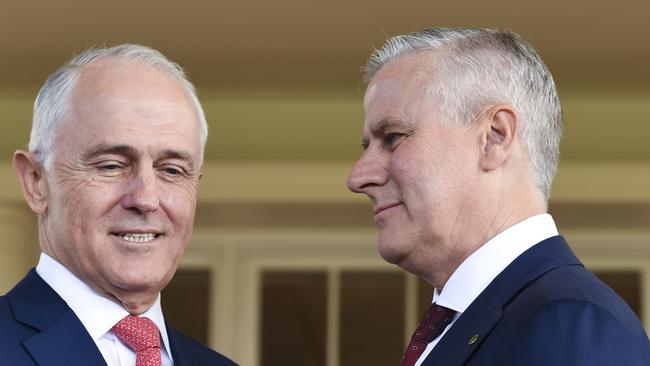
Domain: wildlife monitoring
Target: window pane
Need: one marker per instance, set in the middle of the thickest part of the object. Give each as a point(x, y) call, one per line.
point(627, 285)
point(293, 318)
point(188, 290)
point(372, 318)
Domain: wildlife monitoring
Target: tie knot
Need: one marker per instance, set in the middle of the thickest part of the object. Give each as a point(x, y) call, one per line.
point(434, 321)
point(139, 333)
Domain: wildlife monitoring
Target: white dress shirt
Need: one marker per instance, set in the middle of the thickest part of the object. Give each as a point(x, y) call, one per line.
point(484, 265)
point(99, 314)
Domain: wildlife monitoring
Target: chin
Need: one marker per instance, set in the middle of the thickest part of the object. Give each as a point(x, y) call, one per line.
point(392, 250)
point(137, 280)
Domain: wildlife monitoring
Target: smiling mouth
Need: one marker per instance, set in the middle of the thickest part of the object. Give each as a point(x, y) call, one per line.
point(384, 208)
point(138, 237)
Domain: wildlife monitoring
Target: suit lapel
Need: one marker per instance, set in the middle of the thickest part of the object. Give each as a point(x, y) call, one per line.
point(467, 333)
point(177, 352)
point(66, 342)
point(474, 325)
point(61, 338)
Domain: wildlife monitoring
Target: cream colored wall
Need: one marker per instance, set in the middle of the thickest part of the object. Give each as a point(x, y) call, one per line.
point(296, 145)
point(324, 125)
point(302, 182)
point(293, 146)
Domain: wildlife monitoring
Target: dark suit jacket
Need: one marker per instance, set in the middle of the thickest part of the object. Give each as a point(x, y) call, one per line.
point(38, 328)
point(545, 309)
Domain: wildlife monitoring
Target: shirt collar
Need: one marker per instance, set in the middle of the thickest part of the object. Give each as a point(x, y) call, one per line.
point(479, 269)
point(97, 313)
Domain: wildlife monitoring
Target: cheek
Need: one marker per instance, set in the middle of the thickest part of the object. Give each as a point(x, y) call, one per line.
point(180, 202)
point(68, 198)
point(415, 171)
point(430, 181)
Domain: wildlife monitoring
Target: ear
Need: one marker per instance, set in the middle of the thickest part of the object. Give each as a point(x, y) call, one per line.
point(500, 128)
point(32, 180)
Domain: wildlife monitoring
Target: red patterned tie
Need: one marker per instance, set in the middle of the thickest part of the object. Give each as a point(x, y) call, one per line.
point(435, 320)
point(141, 335)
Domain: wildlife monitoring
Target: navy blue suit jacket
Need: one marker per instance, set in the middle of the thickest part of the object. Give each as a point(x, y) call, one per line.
point(38, 328)
point(545, 309)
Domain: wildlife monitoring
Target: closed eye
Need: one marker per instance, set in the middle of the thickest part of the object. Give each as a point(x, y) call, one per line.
point(391, 139)
point(110, 167)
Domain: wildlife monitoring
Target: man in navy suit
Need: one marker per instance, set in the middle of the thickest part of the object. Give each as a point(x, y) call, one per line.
point(461, 143)
point(112, 173)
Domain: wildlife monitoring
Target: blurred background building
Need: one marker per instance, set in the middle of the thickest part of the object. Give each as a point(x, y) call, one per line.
point(283, 259)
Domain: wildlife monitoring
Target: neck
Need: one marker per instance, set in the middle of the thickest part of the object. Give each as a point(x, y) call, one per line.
point(484, 225)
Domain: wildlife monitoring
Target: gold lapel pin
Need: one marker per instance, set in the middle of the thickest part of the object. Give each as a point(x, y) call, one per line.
point(472, 339)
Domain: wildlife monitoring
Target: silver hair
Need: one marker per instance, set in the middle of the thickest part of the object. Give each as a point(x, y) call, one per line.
point(474, 68)
point(53, 101)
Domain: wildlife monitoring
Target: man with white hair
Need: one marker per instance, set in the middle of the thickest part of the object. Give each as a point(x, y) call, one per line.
point(112, 173)
point(461, 143)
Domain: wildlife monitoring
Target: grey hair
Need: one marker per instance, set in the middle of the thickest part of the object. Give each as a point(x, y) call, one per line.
point(52, 103)
point(475, 68)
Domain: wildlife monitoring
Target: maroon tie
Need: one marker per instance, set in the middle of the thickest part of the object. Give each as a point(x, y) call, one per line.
point(435, 320)
point(142, 336)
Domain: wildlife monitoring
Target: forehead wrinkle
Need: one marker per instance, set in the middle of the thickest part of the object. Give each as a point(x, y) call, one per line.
point(110, 108)
point(143, 104)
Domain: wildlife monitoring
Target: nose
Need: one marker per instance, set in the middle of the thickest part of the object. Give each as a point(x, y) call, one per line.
point(367, 172)
point(141, 192)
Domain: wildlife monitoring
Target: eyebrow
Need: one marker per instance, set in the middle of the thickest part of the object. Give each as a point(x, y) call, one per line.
point(104, 149)
point(131, 152)
point(379, 128)
point(179, 155)
point(384, 123)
